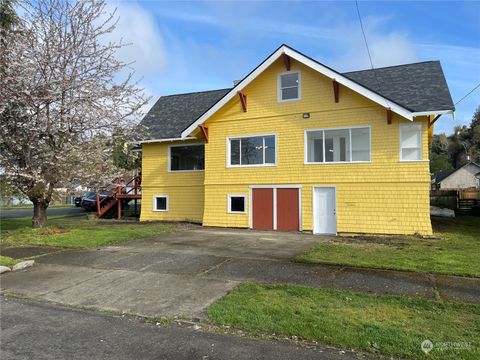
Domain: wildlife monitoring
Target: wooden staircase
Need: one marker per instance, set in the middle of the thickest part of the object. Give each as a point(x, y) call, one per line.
point(118, 197)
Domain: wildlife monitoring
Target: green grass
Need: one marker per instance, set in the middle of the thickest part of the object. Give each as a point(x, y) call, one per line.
point(456, 250)
point(8, 261)
point(390, 325)
point(74, 233)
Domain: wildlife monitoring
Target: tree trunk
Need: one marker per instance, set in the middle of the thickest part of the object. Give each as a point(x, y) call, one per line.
point(39, 213)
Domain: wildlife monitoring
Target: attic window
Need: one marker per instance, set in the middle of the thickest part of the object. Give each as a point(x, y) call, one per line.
point(289, 86)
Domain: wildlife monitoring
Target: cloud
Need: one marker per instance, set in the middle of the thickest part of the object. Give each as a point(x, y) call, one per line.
point(138, 27)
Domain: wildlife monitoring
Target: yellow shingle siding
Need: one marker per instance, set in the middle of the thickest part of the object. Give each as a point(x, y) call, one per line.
point(184, 189)
point(384, 196)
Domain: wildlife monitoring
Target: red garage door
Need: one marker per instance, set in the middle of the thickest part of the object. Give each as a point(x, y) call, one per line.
point(287, 209)
point(262, 212)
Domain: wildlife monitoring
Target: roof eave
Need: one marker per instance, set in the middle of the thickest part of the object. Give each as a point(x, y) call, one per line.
point(165, 140)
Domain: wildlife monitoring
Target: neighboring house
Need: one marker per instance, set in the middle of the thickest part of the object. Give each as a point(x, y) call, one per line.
point(296, 145)
point(465, 177)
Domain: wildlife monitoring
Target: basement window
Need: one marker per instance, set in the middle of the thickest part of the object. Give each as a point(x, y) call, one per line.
point(160, 203)
point(289, 86)
point(236, 204)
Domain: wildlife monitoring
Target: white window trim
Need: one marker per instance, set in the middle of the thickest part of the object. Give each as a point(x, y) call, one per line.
point(229, 138)
point(229, 203)
point(421, 141)
point(305, 146)
point(169, 165)
point(279, 86)
point(155, 202)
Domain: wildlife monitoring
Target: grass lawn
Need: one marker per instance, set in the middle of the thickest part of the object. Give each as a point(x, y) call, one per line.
point(7, 261)
point(456, 251)
point(73, 233)
point(390, 325)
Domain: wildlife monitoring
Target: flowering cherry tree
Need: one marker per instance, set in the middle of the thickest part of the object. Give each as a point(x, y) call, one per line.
point(64, 98)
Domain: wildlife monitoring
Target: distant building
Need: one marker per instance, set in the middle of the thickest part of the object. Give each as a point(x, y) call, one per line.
point(465, 177)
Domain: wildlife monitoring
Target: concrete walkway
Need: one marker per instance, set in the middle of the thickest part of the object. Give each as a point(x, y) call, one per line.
point(181, 273)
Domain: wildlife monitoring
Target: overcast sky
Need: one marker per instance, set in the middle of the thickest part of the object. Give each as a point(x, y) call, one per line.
point(195, 46)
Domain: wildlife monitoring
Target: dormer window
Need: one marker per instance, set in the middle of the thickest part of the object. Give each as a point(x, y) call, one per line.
point(289, 86)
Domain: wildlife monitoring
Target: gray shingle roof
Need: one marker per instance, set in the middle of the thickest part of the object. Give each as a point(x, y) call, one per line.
point(173, 113)
point(417, 87)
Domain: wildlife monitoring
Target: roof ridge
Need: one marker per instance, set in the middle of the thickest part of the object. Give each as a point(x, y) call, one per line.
point(393, 66)
point(194, 92)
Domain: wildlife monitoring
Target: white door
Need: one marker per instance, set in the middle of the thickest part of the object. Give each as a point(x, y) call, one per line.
point(324, 211)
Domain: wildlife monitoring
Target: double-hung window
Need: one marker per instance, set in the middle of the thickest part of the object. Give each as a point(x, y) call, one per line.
point(338, 145)
point(186, 157)
point(258, 150)
point(410, 142)
point(289, 86)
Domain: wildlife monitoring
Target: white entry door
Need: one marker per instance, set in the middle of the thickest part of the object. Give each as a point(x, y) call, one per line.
point(324, 211)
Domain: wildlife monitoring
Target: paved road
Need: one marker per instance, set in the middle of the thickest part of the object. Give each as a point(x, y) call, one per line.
point(17, 213)
point(33, 330)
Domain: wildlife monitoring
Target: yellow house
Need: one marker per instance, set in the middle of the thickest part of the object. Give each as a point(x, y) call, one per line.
point(298, 146)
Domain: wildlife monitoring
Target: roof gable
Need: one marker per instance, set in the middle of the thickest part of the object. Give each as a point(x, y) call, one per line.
point(307, 61)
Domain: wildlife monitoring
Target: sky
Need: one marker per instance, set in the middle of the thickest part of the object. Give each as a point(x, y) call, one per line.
point(183, 46)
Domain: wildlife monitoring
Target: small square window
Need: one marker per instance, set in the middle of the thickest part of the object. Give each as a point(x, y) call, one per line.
point(236, 204)
point(160, 203)
point(289, 86)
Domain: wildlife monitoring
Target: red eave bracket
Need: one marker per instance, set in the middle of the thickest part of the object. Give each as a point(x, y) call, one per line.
point(204, 129)
point(286, 61)
point(243, 100)
point(389, 116)
point(336, 90)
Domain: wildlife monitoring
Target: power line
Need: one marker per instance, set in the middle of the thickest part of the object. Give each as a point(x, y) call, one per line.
point(471, 91)
point(363, 32)
point(368, 51)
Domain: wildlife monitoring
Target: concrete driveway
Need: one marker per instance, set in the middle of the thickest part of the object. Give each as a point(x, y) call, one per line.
point(181, 273)
point(172, 274)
